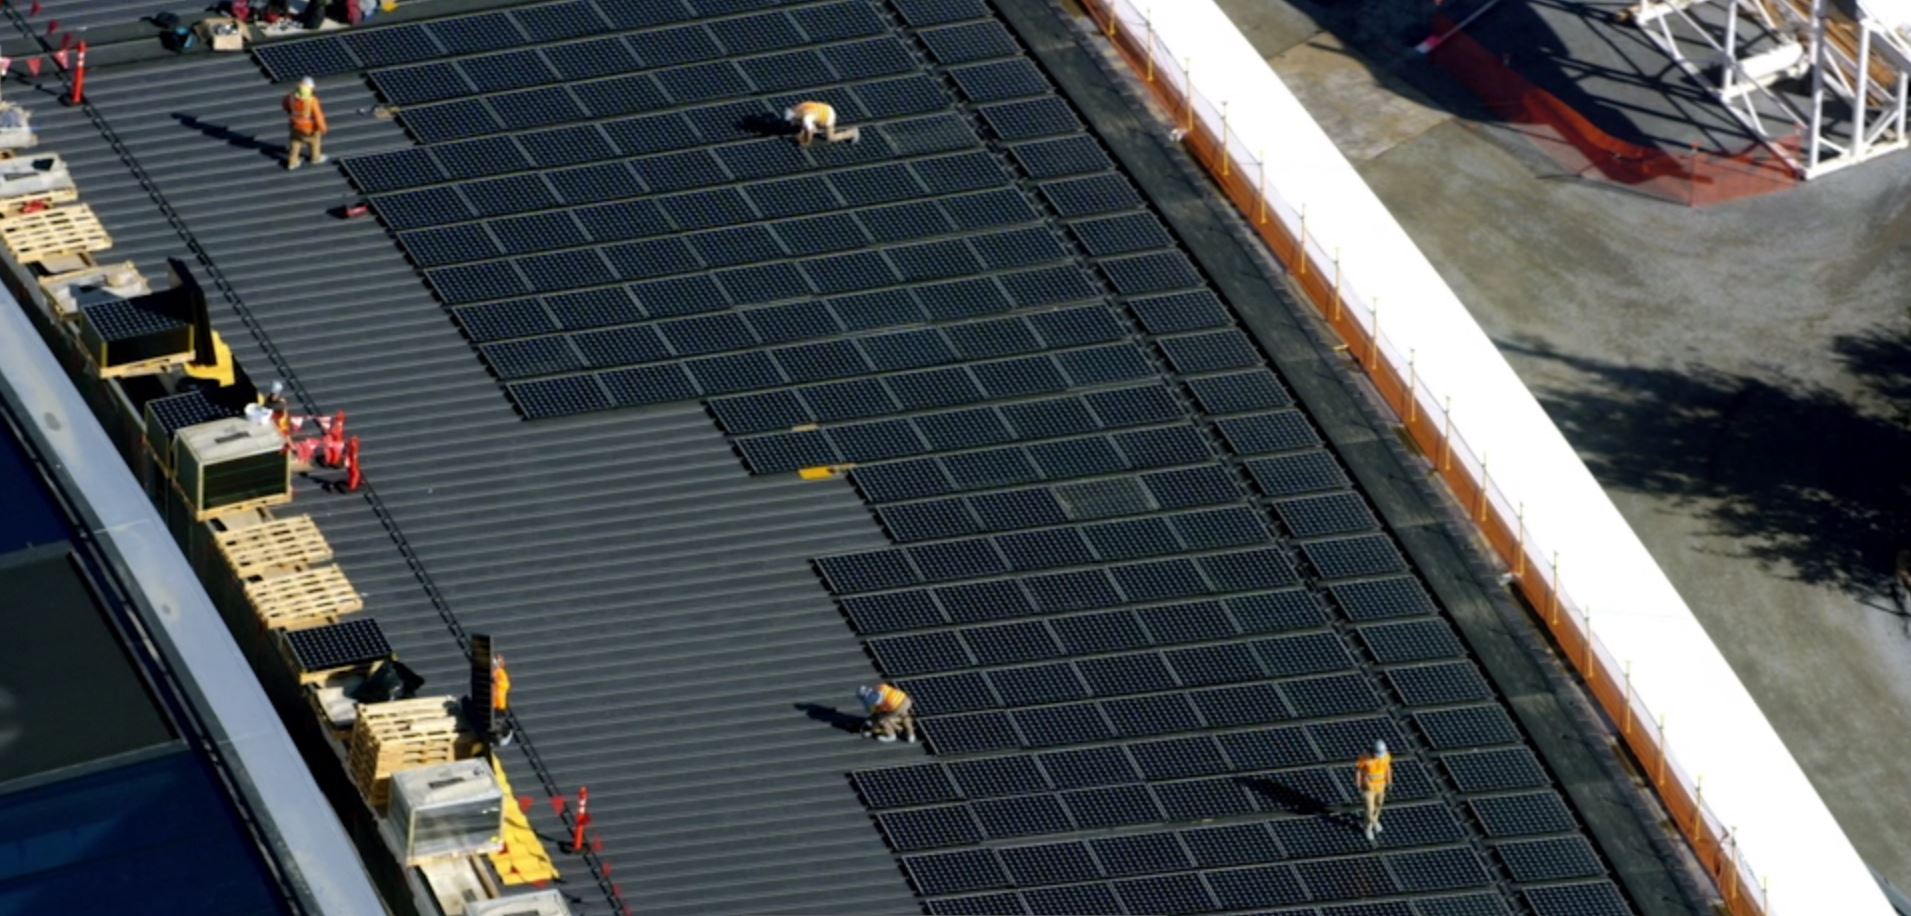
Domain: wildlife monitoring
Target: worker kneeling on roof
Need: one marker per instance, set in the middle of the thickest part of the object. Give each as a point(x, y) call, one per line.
point(812, 118)
point(890, 711)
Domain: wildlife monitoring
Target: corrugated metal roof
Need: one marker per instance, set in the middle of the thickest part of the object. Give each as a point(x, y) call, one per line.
point(670, 645)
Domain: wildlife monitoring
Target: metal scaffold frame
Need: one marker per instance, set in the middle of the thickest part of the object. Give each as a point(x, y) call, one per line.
point(1859, 71)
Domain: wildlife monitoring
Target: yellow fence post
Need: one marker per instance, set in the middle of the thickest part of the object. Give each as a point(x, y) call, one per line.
point(1446, 436)
point(1626, 729)
point(1519, 544)
point(1665, 750)
point(1149, 20)
point(1335, 318)
point(1225, 158)
point(1698, 810)
point(1552, 595)
point(1260, 203)
point(1302, 246)
point(1413, 374)
point(1731, 868)
point(1373, 337)
point(1586, 637)
point(1113, 15)
point(1479, 507)
point(1187, 91)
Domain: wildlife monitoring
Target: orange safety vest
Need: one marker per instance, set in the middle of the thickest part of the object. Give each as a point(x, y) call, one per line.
point(1375, 772)
point(500, 689)
point(888, 699)
point(307, 115)
point(819, 113)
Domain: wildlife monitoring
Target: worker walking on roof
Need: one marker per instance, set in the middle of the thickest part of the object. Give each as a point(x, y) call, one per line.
point(1372, 774)
point(811, 118)
point(306, 117)
point(890, 711)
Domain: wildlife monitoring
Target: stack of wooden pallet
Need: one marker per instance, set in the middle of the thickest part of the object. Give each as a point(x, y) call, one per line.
point(390, 738)
point(285, 567)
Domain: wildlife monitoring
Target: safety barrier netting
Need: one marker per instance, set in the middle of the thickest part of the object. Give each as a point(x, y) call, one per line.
point(1566, 136)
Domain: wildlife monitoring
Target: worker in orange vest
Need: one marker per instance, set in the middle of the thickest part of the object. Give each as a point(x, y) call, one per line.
point(890, 711)
point(811, 118)
point(306, 117)
point(1372, 774)
point(501, 700)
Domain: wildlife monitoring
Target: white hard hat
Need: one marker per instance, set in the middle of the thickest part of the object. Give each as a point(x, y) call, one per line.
point(1380, 748)
point(308, 83)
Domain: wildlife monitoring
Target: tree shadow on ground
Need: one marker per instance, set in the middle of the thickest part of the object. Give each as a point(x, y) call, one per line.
point(1808, 482)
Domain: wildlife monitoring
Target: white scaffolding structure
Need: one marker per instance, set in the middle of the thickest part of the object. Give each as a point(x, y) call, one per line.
point(1858, 65)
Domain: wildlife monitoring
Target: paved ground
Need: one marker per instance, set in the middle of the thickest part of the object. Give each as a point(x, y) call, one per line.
point(1739, 377)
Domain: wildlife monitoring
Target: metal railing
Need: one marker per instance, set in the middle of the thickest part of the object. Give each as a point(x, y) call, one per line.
point(1428, 419)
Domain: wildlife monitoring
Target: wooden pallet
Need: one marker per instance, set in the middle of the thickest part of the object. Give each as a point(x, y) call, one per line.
point(390, 738)
point(52, 197)
point(35, 237)
point(283, 545)
point(302, 600)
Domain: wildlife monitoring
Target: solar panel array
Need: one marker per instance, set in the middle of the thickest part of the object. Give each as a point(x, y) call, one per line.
point(1148, 620)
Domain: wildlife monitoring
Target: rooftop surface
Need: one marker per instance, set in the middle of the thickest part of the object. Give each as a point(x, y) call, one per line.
point(1699, 360)
point(1149, 591)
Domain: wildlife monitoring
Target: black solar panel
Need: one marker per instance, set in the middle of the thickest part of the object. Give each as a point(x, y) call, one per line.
point(1132, 539)
point(1188, 622)
point(977, 905)
point(1346, 879)
point(1595, 899)
point(1166, 894)
point(971, 734)
point(651, 385)
point(474, 34)
point(1277, 612)
point(960, 429)
point(1498, 770)
point(558, 397)
point(1291, 475)
point(978, 601)
point(353, 642)
point(1110, 806)
point(860, 572)
point(1179, 758)
point(1144, 716)
point(953, 693)
point(973, 41)
point(1421, 640)
point(1471, 726)
point(997, 776)
point(892, 611)
point(1114, 631)
point(955, 872)
point(1125, 674)
point(926, 653)
point(1052, 683)
point(1008, 818)
point(1522, 815)
point(901, 787)
point(1334, 695)
point(929, 828)
point(1053, 863)
point(315, 57)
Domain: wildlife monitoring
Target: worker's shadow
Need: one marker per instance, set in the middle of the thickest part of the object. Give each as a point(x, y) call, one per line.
point(766, 125)
point(231, 137)
point(836, 718)
point(1287, 797)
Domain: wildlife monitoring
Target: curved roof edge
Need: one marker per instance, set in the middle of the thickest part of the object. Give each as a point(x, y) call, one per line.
point(1751, 778)
point(320, 863)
